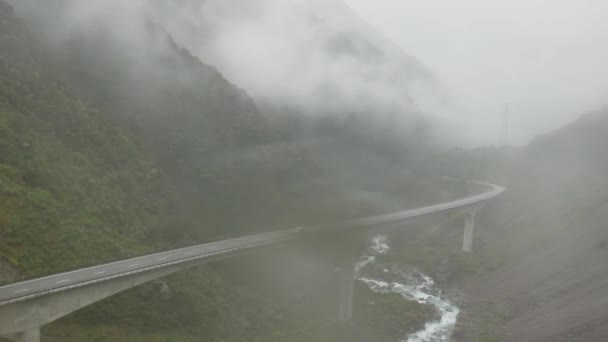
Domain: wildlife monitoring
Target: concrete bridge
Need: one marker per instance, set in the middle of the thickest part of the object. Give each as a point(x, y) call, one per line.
point(27, 306)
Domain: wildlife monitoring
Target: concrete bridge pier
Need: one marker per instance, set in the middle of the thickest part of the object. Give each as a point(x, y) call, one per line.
point(345, 292)
point(469, 229)
point(346, 279)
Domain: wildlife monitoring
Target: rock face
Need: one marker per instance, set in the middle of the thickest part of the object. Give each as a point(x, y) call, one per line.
point(554, 215)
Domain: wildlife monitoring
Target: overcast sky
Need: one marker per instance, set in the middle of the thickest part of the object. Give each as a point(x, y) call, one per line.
point(547, 58)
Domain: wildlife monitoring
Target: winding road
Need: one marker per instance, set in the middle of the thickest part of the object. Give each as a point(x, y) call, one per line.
point(82, 277)
point(28, 305)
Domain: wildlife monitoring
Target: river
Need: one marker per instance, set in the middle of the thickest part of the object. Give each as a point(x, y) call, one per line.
point(411, 284)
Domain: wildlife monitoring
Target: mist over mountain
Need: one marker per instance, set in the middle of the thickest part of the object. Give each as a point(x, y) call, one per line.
point(128, 127)
point(129, 59)
point(319, 70)
point(115, 133)
point(333, 60)
point(189, 117)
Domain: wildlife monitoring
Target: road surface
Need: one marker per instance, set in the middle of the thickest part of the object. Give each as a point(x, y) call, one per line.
point(55, 283)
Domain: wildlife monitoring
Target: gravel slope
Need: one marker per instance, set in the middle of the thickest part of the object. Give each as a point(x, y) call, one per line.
point(554, 223)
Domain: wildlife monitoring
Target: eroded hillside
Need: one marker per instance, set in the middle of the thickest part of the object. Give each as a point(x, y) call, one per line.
point(552, 226)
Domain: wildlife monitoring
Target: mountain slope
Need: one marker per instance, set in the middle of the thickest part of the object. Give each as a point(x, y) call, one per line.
point(220, 155)
point(78, 187)
point(553, 224)
point(69, 176)
point(336, 63)
point(148, 147)
point(328, 52)
point(107, 151)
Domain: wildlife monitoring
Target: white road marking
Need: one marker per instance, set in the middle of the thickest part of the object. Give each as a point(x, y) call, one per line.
point(63, 281)
point(23, 290)
point(161, 259)
point(98, 273)
point(187, 253)
point(133, 265)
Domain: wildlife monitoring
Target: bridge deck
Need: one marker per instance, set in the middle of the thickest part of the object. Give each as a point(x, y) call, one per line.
point(64, 281)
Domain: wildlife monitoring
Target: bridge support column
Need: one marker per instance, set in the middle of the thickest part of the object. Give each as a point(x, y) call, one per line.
point(31, 335)
point(346, 292)
point(346, 281)
point(469, 230)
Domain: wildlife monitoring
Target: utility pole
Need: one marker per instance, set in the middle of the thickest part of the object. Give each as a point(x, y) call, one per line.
point(505, 127)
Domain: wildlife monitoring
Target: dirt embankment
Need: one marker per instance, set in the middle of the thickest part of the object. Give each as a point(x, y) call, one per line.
point(553, 224)
point(558, 293)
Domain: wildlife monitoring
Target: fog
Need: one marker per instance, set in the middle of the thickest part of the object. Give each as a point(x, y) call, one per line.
point(189, 121)
point(317, 56)
point(334, 61)
point(459, 64)
point(547, 59)
point(313, 55)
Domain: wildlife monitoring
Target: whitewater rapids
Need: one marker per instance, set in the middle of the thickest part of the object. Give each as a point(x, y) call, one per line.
point(411, 285)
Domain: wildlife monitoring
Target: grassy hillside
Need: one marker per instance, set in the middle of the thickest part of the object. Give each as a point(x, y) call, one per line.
point(229, 168)
point(102, 157)
point(75, 186)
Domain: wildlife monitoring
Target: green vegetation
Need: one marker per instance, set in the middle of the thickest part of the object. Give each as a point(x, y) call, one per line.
point(79, 187)
point(104, 157)
point(69, 177)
